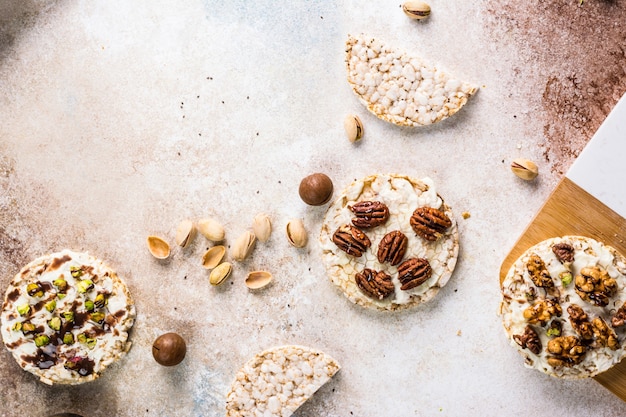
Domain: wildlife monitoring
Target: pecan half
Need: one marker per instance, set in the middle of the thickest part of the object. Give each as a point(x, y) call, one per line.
point(529, 340)
point(538, 272)
point(392, 247)
point(564, 252)
point(619, 319)
point(605, 336)
point(594, 285)
point(580, 322)
point(369, 214)
point(413, 272)
point(351, 240)
point(566, 351)
point(429, 223)
point(374, 284)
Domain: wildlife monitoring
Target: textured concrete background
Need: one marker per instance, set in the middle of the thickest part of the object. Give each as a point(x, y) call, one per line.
point(119, 119)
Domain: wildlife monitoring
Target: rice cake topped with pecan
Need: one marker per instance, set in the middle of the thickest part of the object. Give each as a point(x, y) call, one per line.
point(278, 381)
point(66, 317)
point(563, 306)
point(389, 242)
point(400, 88)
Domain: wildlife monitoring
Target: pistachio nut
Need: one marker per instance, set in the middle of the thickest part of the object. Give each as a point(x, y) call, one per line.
point(525, 169)
point(158, 247)
point(296, 233)
point(213, 257)
point(211, 229)
point(220, 273)
point(416, 9)
point(262, 227)
point(258, 279)
point(185, 233)
point(354, 128)
point(243, 246)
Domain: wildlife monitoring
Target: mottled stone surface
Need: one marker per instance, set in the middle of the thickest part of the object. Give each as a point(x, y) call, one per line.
point(119, 119)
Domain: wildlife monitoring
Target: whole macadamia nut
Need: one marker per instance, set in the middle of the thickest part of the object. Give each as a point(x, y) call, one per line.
point(169, 349)
point(316, 189)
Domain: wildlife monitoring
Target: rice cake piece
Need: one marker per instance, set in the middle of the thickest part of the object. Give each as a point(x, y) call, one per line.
point(278, 381)
point(402, 195)
point(66, 317)
point(563, 307)
point(401, 88)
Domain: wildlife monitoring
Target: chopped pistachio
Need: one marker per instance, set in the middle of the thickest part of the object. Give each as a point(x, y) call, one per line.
point(28, 327)
point(566, 278)
point(89, 305)
point(553, 332)
point(84, 285)
point(69, 316)
point(23, 309)
point(51, 305)
point(41, 340)
point(91, 343)
point(98, 317)
point(61, 296)
point(34, 289)
point(55, 323)
point(76, 271)
point(60, 283)
point(82, 338)
point(17, 326)
point(100, 301)
point(68, 338)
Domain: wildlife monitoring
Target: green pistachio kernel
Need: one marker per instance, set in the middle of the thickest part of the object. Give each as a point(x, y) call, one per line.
point(553, 332)
point(89, 305)
point(566, 278)
point(28, 327)
point(76, 271)
point(23, 309)
point(60, 283)
point(41, 340)
point(55, 323)
point(61, 296)
point(34, 289)
point(98, 317)
point(82, 338)
point(68, 338)
point(69, 316)
point(17, 326)
point(84, 285)
point(91, 343)
point(100, 301)
point(51, 305)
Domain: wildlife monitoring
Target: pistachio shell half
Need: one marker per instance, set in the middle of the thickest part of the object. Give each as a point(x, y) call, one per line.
point(262, 227)
point(417, 10)
point(525, 169)
point(296, 233)
point(258, 279)
point(354, 127)
point(158, 247)
point(243, 246)
point(185, 233)
point(213, 257)
point(211, 229)
point(220, 273)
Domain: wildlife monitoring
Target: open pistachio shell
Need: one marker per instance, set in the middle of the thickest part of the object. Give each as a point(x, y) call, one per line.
point(158, 247)
point(258, 279)
point(262, 227)
point(296, 233)
point(213, 257)
point(243, 246)
point(220, 273)
point(185, 233)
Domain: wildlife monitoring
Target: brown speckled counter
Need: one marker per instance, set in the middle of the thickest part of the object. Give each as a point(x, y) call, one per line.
point(120, 119)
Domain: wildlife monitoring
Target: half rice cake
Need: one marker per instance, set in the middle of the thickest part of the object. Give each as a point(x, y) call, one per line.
point(389, 241)
point(401, 88)
point(66, 317)
point(278, 381)
point(563, 307)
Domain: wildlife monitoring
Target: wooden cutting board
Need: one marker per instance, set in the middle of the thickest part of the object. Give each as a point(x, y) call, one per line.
point(571, 209)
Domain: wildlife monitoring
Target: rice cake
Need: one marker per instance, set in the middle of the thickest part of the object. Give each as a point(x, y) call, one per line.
point(563, 306)
point(278, 381)
point(401, 88)
point(402, 195)
point(66, 317)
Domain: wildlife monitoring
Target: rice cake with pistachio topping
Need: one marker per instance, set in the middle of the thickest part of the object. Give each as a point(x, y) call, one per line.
point(401, 88)
point(278, 381)
point(66, 317)
point(413, 241)
point(563, 306)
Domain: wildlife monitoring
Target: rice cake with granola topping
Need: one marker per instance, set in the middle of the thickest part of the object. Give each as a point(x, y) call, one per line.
point(278, 381)
point(401, 88)
point(413, 241)
point(563, 306)
point(66, 317)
